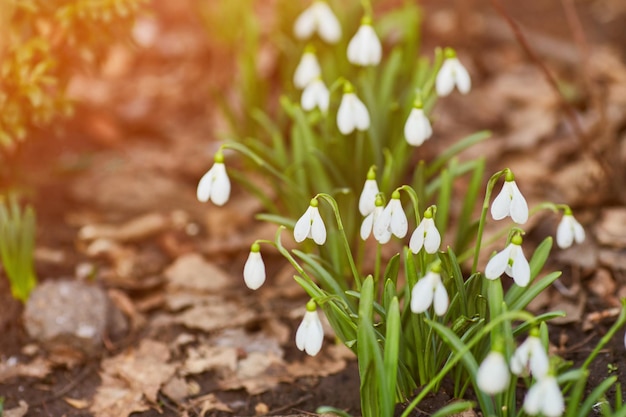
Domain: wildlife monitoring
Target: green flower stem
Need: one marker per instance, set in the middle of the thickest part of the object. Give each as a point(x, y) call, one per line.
point(621, 320)
point(367, 8)
point(414, 199)
point(546, 205)
point(483, 216)
point(507, 316)
point(342, 232)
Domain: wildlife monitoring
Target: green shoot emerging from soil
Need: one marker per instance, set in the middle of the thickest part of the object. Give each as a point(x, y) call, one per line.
point(17, 244)
point(385, 246)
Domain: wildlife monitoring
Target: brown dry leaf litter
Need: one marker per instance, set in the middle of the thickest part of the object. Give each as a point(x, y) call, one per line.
point(132, 380)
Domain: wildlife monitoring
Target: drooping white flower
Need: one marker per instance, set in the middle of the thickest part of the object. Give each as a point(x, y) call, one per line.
point(310, 225)
point(318, 17)
point(511, 261)
point(214, 185)
point(368, 223)
point(254, 269)
point(392, 219)
point(364, 48)
point(452, 73)
point(430, 290)
point(310, 334)
point(352, 113)
point(308, 69)
point(315, 94)
point(367, 200)
point(426, 235)
point(569, 231)
point(530, 355)
point(510, 202)
point(493, 374)
point(417, 128)
point(544, 397)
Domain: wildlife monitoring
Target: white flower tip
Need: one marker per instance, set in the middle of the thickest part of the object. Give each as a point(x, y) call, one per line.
point(493, 374)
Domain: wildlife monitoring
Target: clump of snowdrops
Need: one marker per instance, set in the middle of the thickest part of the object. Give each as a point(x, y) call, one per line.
point(342, 158)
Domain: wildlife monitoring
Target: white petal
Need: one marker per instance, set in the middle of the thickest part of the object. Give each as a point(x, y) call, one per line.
point(501, 206)
point(519, 360)
point(432, 241)
point(441, 299)
point(422, 295)
point(382, 223)
point(367, 200)
point(564, 233)
point(534, 399)
point(463, 81)
point(307, 70)
point(497, 265)
point(345, 117)
point(519, 207)
point(318, 230)
point(579, 232)
point(366, 226)
point(444, 84)
point(399, 225)
point(221, 185)
point(361, 115)
point(328, 26)
point(417, 238)
point(254, 271)
point(539, 362)
point(417, 128)
point(364, 47)
point(303, 226)
point(305, 24)
point(520, 268)
point(310, 334)
point(553, 405)
point(205, 185)
point(493, 374)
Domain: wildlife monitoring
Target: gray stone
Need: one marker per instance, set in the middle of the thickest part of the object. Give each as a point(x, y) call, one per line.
point(71, 314)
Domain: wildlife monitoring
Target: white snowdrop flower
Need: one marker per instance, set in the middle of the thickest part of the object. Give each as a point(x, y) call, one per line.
point(417, 128)
point(452, 73)
point(318, 17)
point(426, 235)
point(308, 69)
point(214, 185)
point(530, 355)
point(430, 290)
point(310, 225)
point(367, 200)
point(352, 113)
point(493, 374)
point(544, 397)
point(368, 223)
point(315, 94)
point(310, 334)
point(254, 269)
point(569, 231)
point(510, 202)
point(392, 219)
point(364, 48)
point(511, 261)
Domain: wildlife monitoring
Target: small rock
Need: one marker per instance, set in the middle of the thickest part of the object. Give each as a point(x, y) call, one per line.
point(71, 314)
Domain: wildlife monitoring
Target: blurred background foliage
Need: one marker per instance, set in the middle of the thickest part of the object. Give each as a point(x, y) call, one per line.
point(44, 42)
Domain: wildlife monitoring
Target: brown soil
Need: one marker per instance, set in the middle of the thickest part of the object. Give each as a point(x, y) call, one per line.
point(47, 168)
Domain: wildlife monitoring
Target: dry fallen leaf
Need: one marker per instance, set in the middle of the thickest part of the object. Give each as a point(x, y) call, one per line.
point(207, 358)
point(192, 271)
point(76, 403)
point(221, 315)
point(18, 411)
point(132, 377)
point(139, 228)
point(38, 368)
